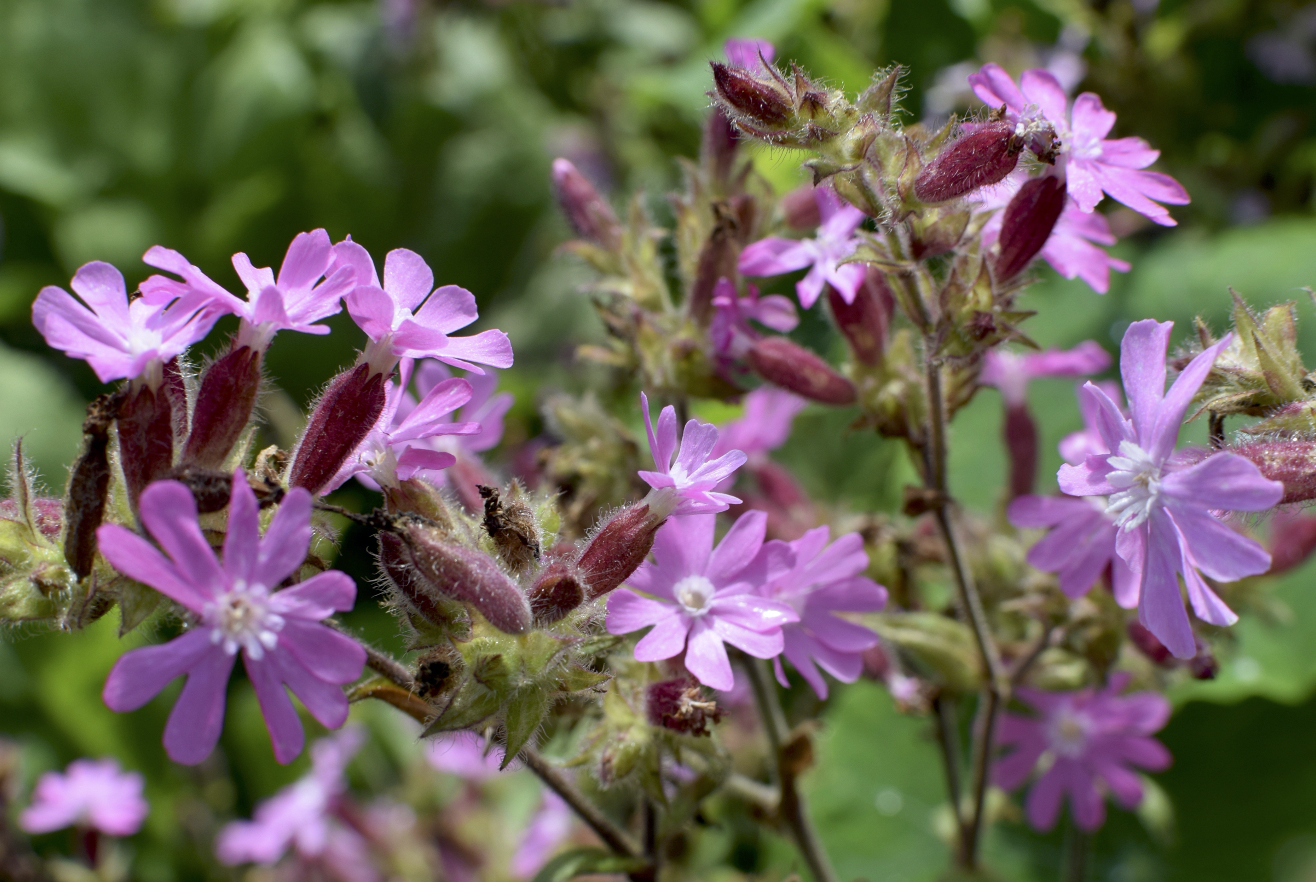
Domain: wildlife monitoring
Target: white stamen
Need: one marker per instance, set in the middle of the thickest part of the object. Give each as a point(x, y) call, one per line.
point(694, 594)
point(1067, 732)
point(1137, 477)
point(240, 618)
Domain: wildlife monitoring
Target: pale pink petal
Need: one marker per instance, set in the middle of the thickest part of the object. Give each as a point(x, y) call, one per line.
point(307, 259)
point(995, 87)
point(1044, 800)
point(284, 545)
point(140, 674)
point(138, 559)
point(372, 310)
point(773, 257)
point(318, 597)
point(329, 655)
point(1142, 367)
point(1220, 552)
point(350, 254)
point(242, 539)
point(706, 657)
point(1041, 87)
point(325, 701)
point(1091, 120)
point(407, 277)
point(1223, 481)
point(737, 547)
point(665, 640)
point(169, 513)
point(627, 612)
point(756, 643)
point(449, 308)
point(1161, 608)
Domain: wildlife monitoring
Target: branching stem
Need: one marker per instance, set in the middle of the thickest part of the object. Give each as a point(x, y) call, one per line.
point(556, 780)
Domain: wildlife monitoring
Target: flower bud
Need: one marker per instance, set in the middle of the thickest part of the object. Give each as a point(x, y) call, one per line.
point(556, 591)
point(146, 437)
point(176, 389)
point(747, 96)
point(865, 322)
point(982, 157)
point(588, 212)
point(1292, 540)
point(1020, 434)
point(1027, 224)
point(718, 147)
point(617, 549)
point(462, 573)
point(1292, 463)
point(790, 366)
point(395, 561)
point(721, 252)
point(680, 705)
point(89, 486)
point(341, 420)
point(1149, 646)
point(223, 406)
point(800, 209)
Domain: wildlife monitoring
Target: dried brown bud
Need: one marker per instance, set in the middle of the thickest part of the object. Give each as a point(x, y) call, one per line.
point(617, 549)
point(1027, 224)
point(223, 406)
point(680, 705)
point(588, 212)
point(461, 573)
point(211, 488)
point(513, 529)
point(982, 157)
point(790, 366)
point(556, 591)
point(438, 672)
point(89, 485)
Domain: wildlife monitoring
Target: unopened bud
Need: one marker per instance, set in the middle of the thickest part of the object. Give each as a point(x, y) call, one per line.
point(176, 389)
point(790, 366)
point(748, 96)
point(1020, 434)
point(1027, 224)
point(1292, 540)
point(617, 549)
point(800, 209)
point(341, 420)
point(556, 591)
point(48, 514)
point(146, 437)
point(1203, 665)
point(588, 212)
point(865, 321)
point(1292, 463)
point(89, 486)
point(721, 252)
point(680, 705)
point(395, 561)
point(1149, 645)
point(719, 144)
point(980, 158)
point(466, 574)
point(223, 406)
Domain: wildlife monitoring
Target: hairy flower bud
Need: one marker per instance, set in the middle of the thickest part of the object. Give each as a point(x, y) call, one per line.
point(617, 549)
point(1149, 646)
point(1027, 224)
point(223, 406)
point(89, 486)
point(718, 146)
point(1292, 463)
point(680, 705)
point(395, 562)
point(341, 420)
point(462, 573)
point(790, 366)
point(982, 157)
point(865, 321)
point(146, 437)
point(732, 218)
point(588, 212)
point(556, 591)
point(747, 95)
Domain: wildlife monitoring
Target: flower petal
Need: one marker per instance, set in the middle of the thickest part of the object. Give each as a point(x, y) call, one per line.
point(706, 657)
point(198, 716)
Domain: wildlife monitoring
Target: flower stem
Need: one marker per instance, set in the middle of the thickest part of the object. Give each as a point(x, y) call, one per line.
point(553, 777)
point(948, 741)
point(1077, 845)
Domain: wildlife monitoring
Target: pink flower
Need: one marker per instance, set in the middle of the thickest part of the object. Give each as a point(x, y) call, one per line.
point(1091, 162)
point(765, 424)
point(730, 330)
point(90, 793)
point(301, 295)
point(238, 608)
point(1010, 372)
point(1162, 505)
point(1079, 546)
point(749, 53)
point(304, 817)
point(834, 243)
point(817, 581)
point(1075, 447)
point(1091, 738)
point(691, 479)
point(120, 340)
point(409, 318)
point(697, 599)
point(549, 827)
point(466, 755)
point(485, 409)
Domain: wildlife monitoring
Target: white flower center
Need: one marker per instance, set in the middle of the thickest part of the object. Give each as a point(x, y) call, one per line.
point(241, 618)
point(1067, 732)
point(1137, 479)
point(694, 594)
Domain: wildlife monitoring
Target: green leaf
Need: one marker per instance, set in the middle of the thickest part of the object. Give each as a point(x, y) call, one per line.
point(525, 712)
point(136, 602)
point(580, 861)
point(579, 679)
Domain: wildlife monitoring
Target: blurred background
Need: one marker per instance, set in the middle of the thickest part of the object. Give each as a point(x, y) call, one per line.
point(215, 126)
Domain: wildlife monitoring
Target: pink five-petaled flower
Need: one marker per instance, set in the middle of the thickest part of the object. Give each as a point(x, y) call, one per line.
point(730, 330)
point(1010, 372)
point(120, 340)
point(817, 580)
point(689, 482)
point(1091, 738)
point(834, 242)
point(303, 816)
point(697, 600)
point(1162, 505)
point(90, 793)
point(237, 609)
point(295, 301)
point(409, 318)
point(1091, 162)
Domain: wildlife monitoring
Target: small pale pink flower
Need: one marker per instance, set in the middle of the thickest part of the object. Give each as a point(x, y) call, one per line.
point(730, 330)
point(691, 479)
point(823, 254)
point(89, 793)
point(238, 608)
point(466, 755)
point(1086, 743)
point(765, 424)
point(1010, 372)
point(695, 598)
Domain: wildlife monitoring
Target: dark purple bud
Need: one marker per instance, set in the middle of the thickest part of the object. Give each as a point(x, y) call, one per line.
point(617, 549)
point(1149, 646)
point(146, 438)
point(556, 591)
point(746, 95)
point(680, 705)
point(223, 406)
point(800, 209)
point(341, 420)
point(718, 148)
point(588, 212)
point(720, 254)
point(866, 321)
point(466, 574)
point(1292, 540)
point(89, 485)
point(982, 157)
point(1027, 224)
point(395, 560)
point(790, 366)
point(1292, 463)
point(1020, 434)
point(1204, 665)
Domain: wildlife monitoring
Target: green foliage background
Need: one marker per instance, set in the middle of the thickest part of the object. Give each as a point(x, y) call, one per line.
point(213, 126)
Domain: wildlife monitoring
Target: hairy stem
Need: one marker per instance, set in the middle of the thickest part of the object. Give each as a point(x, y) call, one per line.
point(556, 780)
point(794, 809)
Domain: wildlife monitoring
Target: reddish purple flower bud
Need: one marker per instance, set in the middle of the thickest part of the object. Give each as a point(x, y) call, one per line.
point(589, 213)
point(680, 705)
point(49, 514)
point(617, 549)
point(556, 591)
point(465, 574)
point(174, 386)
point(223, 406)
point(718, 148)
point(1292, 463)
point(1292, 540)
point(89, 485)
point(395, 561)
point(341, 420)
point(800, 208)
point(732, 219)
point(1020, 434)
point(146, 437)
point(745, 94)
point(1027, 223)
point(1204, 665)
point(1149, 646)
point(866, 321)
point(982, 157)
point(790, 366)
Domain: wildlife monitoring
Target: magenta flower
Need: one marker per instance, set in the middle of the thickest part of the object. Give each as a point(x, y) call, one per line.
point(485, 409)
point(409, 318)
point(765, 424)
point(748, 53)
point(1091, 162)
point(549, 827)
point(816, 581)
point(1010, 372)
point(238, 608)
point(309, 288)
point(1076, 446)
point(834, 243)
point(1092, 740)
point(466, 755)
point(120, 340)
point(89, 793)
point(698, 601)
point(1162, 505)
point(1079, 546)
point(691, 479)
point(304, 817)
point(730, 330)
